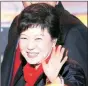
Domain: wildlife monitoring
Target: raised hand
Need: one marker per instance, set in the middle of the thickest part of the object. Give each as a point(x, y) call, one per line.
point(53, 67)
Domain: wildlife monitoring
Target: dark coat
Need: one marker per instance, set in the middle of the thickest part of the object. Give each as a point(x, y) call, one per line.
point(71, 72)
point(74, 39)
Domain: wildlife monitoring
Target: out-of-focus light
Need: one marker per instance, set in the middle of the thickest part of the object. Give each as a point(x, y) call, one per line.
point(83, 18)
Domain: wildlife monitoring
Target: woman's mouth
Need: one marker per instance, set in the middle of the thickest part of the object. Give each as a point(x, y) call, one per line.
point(32, 54)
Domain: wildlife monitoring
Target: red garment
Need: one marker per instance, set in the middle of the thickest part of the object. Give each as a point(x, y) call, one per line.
point(17, 63)
point(31, 74)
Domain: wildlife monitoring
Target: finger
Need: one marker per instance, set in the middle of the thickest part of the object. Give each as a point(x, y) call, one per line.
point(58, 51)
point(59, 48)
point(52, 54)
point(53, 51)
point(64, 60)
point(44, 65)
point(66, 53)
point(62, 50)
point(62, 54)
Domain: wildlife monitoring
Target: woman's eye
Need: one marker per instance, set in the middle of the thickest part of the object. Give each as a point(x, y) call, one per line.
point(38, 39)
point(23, 38)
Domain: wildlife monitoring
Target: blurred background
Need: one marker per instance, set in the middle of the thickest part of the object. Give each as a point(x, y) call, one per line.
point(10, 9)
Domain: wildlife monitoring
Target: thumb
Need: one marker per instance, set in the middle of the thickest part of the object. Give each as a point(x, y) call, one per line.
point(44, 65)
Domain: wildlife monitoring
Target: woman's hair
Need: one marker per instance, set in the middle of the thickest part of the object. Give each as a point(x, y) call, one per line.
point(40, 14)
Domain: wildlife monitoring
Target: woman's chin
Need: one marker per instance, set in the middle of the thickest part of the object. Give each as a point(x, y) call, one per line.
point(33, 63)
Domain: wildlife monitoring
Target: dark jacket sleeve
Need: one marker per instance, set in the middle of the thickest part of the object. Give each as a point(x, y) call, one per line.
point(77, 44)
point(12, 37)
point(73, 74)
point(7, 63)
point(12, 34)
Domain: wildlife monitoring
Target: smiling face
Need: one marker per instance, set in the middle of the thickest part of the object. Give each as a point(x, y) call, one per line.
point(35, 44)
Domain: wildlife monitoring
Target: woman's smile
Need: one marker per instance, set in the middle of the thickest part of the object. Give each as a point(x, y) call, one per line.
point(32, 54)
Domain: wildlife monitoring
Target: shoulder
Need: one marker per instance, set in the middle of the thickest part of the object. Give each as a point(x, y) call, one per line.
point(70, 25)
point(72, 65)
point(65, 16)
point(73, 73)
point(77, 33)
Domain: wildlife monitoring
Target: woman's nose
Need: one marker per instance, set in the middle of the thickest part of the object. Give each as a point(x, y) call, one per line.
point(31, 45)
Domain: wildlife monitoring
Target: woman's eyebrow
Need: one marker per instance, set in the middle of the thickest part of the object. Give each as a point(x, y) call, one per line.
point(23, 34)
point(40, 35)
point(34, 35)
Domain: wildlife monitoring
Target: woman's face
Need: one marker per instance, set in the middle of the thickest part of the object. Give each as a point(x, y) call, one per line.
point(35, 44)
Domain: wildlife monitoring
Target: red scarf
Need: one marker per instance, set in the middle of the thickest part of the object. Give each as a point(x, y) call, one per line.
point(16, 65)
point(31, 74)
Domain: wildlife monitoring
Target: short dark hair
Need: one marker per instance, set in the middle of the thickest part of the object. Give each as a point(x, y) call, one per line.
point(40, 14)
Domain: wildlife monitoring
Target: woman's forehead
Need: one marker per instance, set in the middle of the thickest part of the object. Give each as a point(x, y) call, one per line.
point(35, 31)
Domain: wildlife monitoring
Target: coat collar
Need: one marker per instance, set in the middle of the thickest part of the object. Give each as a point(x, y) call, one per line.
point(19, 78)
point(18, 75)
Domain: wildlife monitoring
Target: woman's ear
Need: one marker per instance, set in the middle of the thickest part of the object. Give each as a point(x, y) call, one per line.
point(54, 42)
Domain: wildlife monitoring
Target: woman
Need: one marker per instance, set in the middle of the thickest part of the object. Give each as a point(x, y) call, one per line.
point(39, 59)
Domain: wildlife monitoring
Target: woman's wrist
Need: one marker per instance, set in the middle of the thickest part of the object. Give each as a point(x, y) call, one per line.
point(57, 82)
